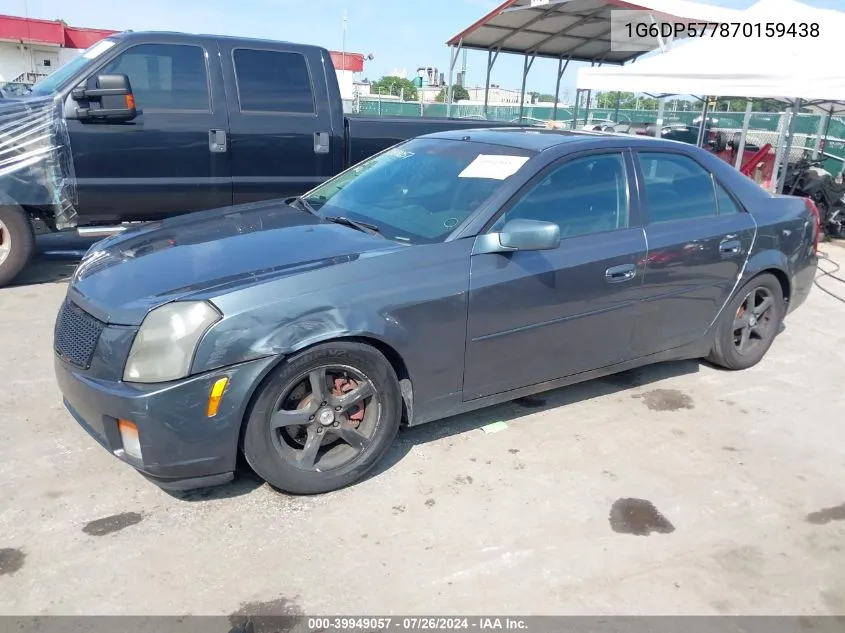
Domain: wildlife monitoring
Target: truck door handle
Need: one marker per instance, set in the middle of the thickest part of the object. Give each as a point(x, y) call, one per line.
point(730, 247)
point(321, 142)
point(625, 272)
point(217, 141)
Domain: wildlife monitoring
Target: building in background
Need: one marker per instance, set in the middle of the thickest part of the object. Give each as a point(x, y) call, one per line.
point(497, 94)
point(31, 49)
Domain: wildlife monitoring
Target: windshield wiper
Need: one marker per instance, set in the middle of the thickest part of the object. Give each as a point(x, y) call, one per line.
point(303, 204)
point(365, 227)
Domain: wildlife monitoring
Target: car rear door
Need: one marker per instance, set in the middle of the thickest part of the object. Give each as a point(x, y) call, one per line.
point(164, 162)
point(283, 139)
point(699, 237)
point(540, 315)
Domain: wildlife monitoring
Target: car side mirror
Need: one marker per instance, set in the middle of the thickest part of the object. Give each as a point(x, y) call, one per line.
point(105, 97)
point(519, 235)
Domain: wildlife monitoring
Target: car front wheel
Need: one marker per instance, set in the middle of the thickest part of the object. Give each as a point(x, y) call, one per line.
point(749, 324)
point(324, 418)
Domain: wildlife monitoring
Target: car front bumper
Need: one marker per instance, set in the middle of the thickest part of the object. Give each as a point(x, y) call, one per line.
point(181, 447)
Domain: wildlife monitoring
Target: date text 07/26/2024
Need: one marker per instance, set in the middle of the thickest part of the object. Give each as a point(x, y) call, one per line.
point(423, 623)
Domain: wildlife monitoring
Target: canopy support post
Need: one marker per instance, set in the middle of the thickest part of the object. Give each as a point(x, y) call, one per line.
point(824, 124)
point(589, 98)
point(658, 127)
point(781, 151)
point(796, 108)
point(746, 121)
point(616, 107)
point(453, 59)
point(561, 68)
point(526, 67)
point(702, 127)
point(491, 59)
point(575, 114)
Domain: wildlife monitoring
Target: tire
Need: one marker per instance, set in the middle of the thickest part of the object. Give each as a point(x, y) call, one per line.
point(760, 330)
point(278, 455)
point(17, 241)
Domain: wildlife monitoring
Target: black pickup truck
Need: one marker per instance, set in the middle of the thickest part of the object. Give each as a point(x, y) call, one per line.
point(143, 126)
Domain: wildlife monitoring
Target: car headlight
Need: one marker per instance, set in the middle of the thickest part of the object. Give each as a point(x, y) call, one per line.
point(164, 346)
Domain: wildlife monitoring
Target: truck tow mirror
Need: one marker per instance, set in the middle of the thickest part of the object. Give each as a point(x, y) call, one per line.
point(105, 97)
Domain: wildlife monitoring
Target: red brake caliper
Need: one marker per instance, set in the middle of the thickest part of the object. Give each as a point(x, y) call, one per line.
point(343, 386)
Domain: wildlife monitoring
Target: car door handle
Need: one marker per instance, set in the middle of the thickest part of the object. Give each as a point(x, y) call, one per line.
point(321, 142)
point(217, 141)
point(730, 247)
point(616, 274)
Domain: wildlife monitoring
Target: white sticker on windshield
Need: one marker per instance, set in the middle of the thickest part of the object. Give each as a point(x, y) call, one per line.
point(98, 49)
point(398, 152)
point(494, 166)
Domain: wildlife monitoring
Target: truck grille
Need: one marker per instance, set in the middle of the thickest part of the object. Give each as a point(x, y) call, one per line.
point(76, 335)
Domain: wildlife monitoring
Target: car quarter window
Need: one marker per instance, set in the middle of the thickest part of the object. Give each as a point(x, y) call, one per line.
point(584, 195)
point(273, 81)
point(164, 76)
point(678, 188)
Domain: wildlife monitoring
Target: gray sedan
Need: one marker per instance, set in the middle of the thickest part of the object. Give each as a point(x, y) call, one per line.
point(454, 271)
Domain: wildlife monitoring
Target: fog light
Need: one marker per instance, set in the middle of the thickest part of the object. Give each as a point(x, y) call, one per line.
point(129, 437)
point(216, 394)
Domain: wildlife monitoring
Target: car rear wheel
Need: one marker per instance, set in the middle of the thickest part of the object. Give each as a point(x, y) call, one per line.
point(323, 419)
point(749, 324)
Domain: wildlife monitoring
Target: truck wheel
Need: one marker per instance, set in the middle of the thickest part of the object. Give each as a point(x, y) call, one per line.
point(17, 242)
point(749, 323)
point(323, 419)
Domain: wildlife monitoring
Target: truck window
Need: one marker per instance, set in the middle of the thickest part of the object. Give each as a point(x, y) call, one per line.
point(165, 76)
point(273, 81)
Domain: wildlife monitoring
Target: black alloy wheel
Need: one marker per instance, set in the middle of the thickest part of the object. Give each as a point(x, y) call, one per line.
point(748, 324)
point(323, 418)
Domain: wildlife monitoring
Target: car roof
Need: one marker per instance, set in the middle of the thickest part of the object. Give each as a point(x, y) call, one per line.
point(537, 140)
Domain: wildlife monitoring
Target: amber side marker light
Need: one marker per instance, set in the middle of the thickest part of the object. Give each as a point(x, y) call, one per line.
point(129, 437)
point(216, 394)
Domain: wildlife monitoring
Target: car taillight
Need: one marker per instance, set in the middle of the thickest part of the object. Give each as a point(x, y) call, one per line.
point(815, 211)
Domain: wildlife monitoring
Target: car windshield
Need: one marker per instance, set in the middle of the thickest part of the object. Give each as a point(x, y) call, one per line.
point(418, 192)
point(54, 81)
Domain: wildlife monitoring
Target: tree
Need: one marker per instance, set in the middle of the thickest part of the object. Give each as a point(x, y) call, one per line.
point(459, 93)
point(396, 86)
point(546, 98)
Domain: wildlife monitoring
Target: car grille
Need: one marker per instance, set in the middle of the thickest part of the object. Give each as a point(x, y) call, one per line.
point(76, 335)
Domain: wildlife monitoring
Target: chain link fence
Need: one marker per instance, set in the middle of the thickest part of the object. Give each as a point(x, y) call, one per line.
point(764, 127)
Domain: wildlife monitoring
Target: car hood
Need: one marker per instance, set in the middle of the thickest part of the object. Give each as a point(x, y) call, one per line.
point(203, 254)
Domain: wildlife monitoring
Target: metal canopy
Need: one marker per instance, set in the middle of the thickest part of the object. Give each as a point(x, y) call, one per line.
point(578, 30)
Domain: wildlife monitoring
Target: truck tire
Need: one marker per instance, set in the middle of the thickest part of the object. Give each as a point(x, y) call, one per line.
point(17, 241)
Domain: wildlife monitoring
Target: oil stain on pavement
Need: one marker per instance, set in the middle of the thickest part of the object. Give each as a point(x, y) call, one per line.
point(11, 560)
point(274, 616)
point(638, 517)
point(114, 523)
point(826, 515)
point(666, 400)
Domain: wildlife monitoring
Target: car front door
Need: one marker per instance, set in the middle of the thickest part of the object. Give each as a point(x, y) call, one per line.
point(540, 315)
point(162, 162)
point(283, 137)
point(699, 237)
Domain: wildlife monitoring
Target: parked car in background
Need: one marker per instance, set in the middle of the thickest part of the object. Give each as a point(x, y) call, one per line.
point(457, 270)
point(143, 126)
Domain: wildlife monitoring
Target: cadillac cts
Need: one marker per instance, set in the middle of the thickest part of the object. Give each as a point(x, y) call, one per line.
point(454, 271)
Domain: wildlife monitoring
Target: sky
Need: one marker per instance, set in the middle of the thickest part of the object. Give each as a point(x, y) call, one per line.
point(398, 33)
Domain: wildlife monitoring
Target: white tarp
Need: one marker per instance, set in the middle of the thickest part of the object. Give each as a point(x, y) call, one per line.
point(757, 67)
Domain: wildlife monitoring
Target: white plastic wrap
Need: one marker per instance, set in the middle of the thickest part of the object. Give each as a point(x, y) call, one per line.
point(36, 164)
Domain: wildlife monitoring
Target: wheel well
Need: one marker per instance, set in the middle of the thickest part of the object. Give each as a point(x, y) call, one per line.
point(390, 354)
point(782, 279)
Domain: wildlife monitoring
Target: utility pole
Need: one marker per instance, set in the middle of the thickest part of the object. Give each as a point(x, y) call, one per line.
point(343, 52)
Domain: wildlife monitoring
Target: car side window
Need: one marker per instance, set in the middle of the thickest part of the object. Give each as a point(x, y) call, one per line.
point(582, 196)
point(273, 81)
point(676, 187)
point(165, 76)
point(726, 204)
